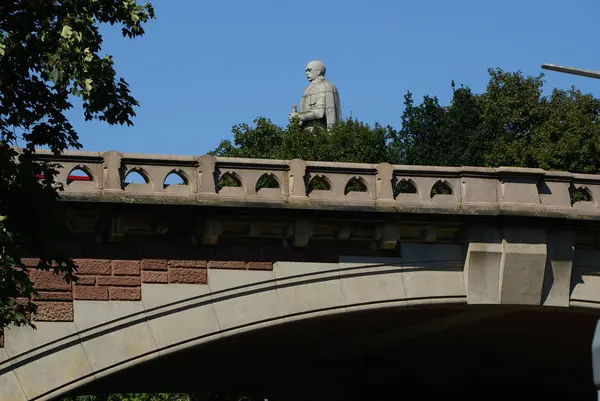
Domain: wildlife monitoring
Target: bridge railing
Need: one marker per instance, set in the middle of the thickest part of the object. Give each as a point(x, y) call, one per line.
point(466, 189)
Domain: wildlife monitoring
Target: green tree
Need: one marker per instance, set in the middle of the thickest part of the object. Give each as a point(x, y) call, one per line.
point(349, 141)
point(433, 134)
point(260, 142)
point(510, 124)
point(512, 110)
point(568, 138)
point(50, 51)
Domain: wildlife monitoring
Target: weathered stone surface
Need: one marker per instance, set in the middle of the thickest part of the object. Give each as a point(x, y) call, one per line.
point(259, 265)
point(47, 280)
point(54, 312)
point(239, 265)
point(42, 375)
point(187, 276)
point(303, 286)
point(125, 294)
point(11, 388)
point(241, 298)
point(126, 267)
point(191, 264)
point(154, 264)
point(30, 262)
point(86, 280)
point(54, 296)
point(90, 293)
point(94, 266)
point(155, 277)
point(123, 281)
point(186, 306)
point(365, 280)
point(126, 335)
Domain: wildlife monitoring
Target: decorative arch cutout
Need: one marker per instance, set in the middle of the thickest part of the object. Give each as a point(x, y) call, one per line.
point(405, 186)
point(319, 183)
point(136, 176)
point(267, 180)
point(79, 173)
point(580, 194)
point(441, 188)
point(175, 177)
point(229, 179)
point(355, 184)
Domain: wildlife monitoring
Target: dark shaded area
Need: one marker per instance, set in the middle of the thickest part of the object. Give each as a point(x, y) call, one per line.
point(537, 353)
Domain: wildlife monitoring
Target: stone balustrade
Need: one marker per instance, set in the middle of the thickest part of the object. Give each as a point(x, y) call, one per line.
point(325, 185)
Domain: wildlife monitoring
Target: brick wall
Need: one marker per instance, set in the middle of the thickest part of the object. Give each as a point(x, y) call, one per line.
point(119, 280)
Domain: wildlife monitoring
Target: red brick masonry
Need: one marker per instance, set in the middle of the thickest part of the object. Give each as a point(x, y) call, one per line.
point(118, 280)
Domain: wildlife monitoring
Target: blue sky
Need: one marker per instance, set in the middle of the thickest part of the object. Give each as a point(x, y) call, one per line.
point(204, 66)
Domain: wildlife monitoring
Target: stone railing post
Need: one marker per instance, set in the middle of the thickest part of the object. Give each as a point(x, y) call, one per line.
point(297, 183)
point(385, 175)
point(112, 179)
point(207, 165)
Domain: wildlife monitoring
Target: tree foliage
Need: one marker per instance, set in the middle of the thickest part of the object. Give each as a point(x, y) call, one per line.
point(350, 141)
point(510, 124)
point(50, 52)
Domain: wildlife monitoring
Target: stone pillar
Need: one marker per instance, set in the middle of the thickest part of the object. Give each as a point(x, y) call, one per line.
point(385, 190)
point(206, 165)
point(112, 174)
point(297, 183)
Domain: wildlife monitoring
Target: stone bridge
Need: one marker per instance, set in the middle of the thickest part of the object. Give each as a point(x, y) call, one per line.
point(297, 279)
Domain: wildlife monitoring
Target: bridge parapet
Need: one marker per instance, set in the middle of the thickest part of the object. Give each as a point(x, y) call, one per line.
point(301, 184)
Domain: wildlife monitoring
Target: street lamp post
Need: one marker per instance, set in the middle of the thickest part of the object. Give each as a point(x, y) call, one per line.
point(571, 70)
point(596, 338)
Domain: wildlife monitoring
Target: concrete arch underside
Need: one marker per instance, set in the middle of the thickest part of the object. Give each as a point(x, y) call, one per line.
point(353, 329)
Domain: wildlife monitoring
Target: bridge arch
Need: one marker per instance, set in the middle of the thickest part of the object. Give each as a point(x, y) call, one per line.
point(106, 337)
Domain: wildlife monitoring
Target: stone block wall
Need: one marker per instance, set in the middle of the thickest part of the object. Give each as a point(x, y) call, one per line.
point(116, 271)
point(120, 280)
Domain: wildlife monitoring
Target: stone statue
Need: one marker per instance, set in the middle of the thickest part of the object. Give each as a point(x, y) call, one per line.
point(320, 105)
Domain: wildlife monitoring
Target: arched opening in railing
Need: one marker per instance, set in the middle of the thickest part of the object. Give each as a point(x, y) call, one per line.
point(136, 176)
point(319, 183)
point(229, 179)
point(580, 194)
point(175, 177)
point(441, 188)
point(79, 173)
point(355, 184)
point(405, 186)
point(267, 181)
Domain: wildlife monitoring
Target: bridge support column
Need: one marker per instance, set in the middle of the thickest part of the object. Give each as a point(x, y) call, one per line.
point(519, 266)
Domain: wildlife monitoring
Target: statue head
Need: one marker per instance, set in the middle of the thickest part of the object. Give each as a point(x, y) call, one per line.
point(315, 69)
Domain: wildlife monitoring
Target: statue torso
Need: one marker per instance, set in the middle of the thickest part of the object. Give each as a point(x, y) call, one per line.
point(322, 91)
